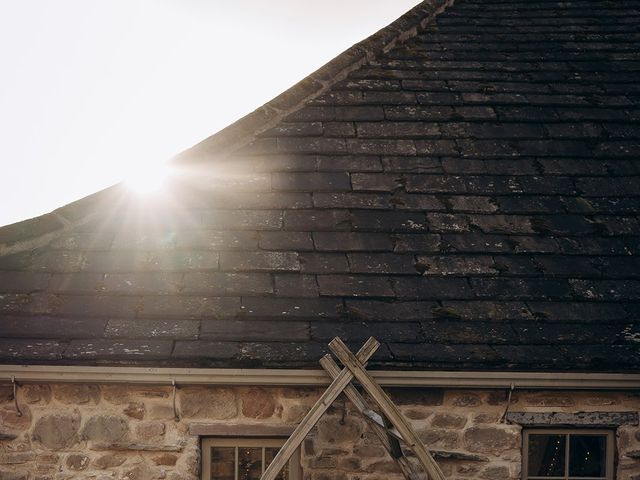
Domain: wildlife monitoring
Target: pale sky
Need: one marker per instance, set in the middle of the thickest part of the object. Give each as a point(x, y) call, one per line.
point(90, 89)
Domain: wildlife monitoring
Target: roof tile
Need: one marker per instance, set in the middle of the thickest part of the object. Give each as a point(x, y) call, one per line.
point(461, 185)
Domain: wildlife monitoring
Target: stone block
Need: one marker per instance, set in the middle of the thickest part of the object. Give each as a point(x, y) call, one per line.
point(135, 410)
point(490, 439)
point(466, 400)
point(161, 412)
point(122, 394)
point(77, 461)
point(110, 460)
point(150, 431)
point(16, 458)
point(335, 431)
point(165, 459)
point(214, 403)
point(258, 403)
point(448, 420)
point(497, 472)
point(14, 475)
point(440, 438)
point(57, 431)
point(35, 393)
point(105, 428)
point(142, 472)
point(415, 413)
point(11, 420)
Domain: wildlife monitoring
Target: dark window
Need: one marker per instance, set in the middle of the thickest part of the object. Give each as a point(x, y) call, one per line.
point(568, 454)
point(244, 459)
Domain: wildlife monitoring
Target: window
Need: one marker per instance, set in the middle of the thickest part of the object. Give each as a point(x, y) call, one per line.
point(244, 459)
point(568, 454)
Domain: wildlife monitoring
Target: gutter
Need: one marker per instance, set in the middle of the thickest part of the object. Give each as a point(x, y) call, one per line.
point(283, 377)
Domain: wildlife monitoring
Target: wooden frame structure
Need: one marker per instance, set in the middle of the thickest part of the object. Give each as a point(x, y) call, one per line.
point(390, 426)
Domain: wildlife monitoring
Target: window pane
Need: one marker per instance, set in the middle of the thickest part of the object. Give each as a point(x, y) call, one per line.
point(249, 463)
point(269, 454)
point(546, 455)
point(223, 463)
point(587, 455)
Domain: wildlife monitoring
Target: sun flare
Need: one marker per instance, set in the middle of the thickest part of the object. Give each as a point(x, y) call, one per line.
point(146, 179)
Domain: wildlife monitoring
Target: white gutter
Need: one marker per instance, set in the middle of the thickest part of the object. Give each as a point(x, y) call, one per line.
point(278, 377)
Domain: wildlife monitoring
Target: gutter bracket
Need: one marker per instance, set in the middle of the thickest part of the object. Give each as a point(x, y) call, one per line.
point(176, 416)
point(503, 418)
point(15, 396)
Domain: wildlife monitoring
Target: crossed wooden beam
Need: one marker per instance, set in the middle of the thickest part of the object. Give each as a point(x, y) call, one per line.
point(390, 426)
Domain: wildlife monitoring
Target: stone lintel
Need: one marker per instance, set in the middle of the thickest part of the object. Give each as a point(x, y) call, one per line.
point(136, 447)
point(561, 419)
point(242, 430)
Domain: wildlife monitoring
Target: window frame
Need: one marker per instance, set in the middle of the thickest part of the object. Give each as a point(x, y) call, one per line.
point(567, 432)
point(295, 468)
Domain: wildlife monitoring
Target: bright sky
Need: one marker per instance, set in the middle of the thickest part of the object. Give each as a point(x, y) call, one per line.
point(90, 89)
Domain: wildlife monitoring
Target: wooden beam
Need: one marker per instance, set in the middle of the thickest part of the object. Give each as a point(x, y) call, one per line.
point(318, 409)
point(390, 444)
point(387, 406)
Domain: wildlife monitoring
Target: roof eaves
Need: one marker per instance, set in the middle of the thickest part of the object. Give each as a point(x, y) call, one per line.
point(39, 231)
point(247, 129)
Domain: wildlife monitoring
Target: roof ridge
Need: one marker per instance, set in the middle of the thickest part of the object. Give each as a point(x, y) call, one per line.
point(247, 128)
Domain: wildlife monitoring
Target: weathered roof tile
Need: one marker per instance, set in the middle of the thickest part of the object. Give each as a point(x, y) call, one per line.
point(462, 186)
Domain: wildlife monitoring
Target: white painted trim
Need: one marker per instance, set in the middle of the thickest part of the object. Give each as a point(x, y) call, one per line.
point(387, 378)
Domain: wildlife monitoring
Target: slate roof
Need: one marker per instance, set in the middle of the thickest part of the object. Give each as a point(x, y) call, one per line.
point(464, 188)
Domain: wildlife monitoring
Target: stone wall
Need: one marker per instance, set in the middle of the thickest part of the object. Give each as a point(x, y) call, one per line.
point(129, 432)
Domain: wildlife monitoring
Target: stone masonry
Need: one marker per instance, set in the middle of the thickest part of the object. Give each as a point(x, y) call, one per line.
point(129, 432)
